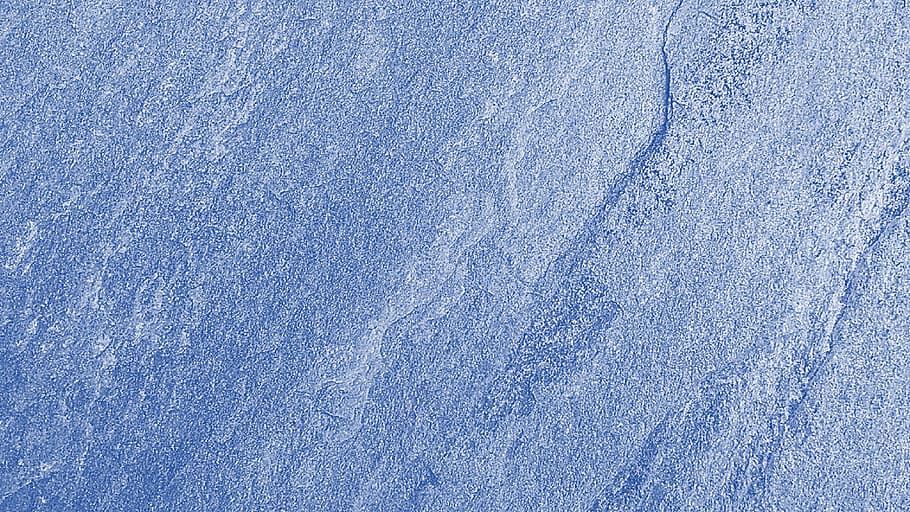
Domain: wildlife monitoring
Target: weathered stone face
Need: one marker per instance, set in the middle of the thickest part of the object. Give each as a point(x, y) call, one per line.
point(563, 255)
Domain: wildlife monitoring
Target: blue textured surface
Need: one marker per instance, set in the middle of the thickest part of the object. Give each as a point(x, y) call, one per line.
point(388, 256)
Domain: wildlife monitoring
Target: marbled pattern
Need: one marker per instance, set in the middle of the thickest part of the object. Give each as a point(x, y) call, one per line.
point(494, 255)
